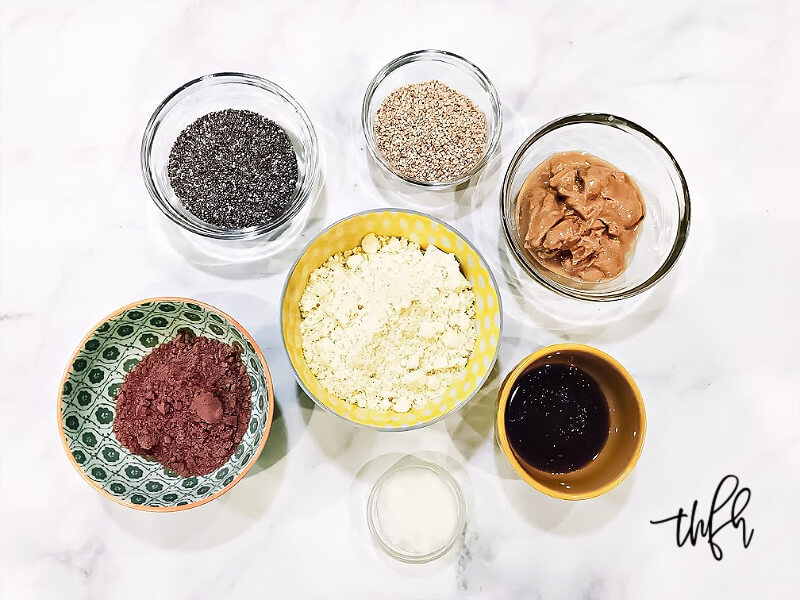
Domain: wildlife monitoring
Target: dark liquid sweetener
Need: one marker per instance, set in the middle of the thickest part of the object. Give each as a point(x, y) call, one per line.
point(557, 418)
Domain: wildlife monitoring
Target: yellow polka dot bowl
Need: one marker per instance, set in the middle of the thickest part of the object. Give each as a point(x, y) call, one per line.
point(347, 234)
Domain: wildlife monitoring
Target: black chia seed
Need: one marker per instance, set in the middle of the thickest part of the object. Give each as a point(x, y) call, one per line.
point(233, 169)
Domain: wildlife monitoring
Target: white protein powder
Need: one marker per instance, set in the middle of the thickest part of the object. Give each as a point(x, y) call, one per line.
point(417, 511)
point(386, 325)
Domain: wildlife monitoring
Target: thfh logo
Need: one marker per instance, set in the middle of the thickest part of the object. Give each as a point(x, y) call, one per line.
point(735, 500)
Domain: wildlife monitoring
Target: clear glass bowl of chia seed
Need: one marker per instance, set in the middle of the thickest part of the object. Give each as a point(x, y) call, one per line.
point(450, 69)
point(220, 92)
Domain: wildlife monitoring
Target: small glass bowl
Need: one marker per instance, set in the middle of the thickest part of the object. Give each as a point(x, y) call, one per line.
point(450, 69)
point(374, 521)
point(637, 152)
point(215, 92)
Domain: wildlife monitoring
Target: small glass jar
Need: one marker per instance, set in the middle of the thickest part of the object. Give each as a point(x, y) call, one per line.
point(450, 69)
point(637, 152)
point(215, 92)
point(374, 522)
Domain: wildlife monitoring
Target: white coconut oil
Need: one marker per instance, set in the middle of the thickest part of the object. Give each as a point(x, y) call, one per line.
point(417, 510)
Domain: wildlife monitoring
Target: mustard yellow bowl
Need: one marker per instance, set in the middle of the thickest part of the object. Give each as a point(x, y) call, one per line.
point(627, 425)
point(421, 228)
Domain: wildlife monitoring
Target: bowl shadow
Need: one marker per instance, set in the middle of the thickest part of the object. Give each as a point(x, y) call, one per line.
point(453, 203)
point(582, 321)
point(277, 443)
point(232, 514)
point(365, 477)
point(562, 517)
point(470, 427)
point(342, 442)
point(243, 259)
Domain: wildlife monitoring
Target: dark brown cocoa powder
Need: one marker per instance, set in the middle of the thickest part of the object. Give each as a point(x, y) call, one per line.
point(186, 404)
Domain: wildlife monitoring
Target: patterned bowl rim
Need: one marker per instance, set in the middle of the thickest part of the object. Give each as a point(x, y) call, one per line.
point(492, 281)
point(245, 469)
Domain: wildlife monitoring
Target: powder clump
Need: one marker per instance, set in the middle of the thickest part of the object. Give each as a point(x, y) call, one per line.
point(386, 325)
point(186, 404)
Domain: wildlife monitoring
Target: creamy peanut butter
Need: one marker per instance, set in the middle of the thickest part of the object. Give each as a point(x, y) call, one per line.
point(579, 216)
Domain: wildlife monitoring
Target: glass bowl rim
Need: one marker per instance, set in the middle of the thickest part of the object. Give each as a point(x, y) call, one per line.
point(409, 461)
point(432, 55)
point(682, 196)
point(456, 407)
point(206, 229)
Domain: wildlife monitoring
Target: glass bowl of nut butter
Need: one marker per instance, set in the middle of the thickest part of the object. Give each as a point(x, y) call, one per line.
point(594, 207)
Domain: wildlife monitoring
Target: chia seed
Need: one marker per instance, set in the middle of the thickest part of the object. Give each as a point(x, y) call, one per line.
point(234, 169)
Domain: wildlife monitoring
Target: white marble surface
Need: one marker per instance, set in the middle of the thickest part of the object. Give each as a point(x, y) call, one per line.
point(714, 347)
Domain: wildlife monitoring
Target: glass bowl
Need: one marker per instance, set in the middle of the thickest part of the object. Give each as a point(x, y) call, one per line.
point(215, 92)
point(374, 518)
point(450, 69)
point(637, 152)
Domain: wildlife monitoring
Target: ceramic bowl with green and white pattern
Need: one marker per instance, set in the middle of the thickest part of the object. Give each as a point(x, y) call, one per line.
point(87, 402)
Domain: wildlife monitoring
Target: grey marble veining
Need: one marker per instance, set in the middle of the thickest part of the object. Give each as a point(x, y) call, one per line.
point(713, 346)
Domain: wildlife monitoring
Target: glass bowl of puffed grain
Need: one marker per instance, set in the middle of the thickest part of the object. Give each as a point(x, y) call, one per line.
point(431, 118)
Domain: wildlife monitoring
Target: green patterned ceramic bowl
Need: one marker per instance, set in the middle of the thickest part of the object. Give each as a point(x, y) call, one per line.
point(87, 402)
